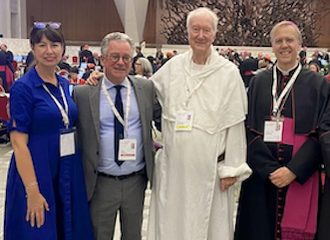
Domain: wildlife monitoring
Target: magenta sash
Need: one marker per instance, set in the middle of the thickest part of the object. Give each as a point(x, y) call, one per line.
point(300, 210)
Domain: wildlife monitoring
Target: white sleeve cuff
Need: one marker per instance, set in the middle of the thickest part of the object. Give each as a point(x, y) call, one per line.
point(241, 173)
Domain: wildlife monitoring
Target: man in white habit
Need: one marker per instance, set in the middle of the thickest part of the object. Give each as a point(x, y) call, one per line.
point(204, 105)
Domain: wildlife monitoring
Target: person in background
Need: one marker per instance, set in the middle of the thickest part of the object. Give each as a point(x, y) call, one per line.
point(314, 67)
point(315, 59)
point(74, 72)
point(143, 68)
point(159, 56)
point(9, 54)
point(302, 56)
point(328, 77)
point(247, 67)
point(85, 55)
point(267, 62)
point(325, 56)
point(96, 59)
point(153, 63)
point(90, 68)
point(169, 55)
point(45, 194)
point(6, 68)
point(324, 138)
point(63, 64)
point(137, 56)
point(30, 61)
point(260, 56)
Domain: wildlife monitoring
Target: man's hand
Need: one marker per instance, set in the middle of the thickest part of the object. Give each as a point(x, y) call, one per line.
point(282, 177)
point(94, 78)
point(225, 183)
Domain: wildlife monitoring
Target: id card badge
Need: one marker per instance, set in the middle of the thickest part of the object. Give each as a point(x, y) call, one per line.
point(67, 144)
point(127, 150)
point(273, 131)
point(184, 120)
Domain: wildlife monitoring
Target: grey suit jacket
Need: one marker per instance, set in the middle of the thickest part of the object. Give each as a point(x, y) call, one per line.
point(87, 99)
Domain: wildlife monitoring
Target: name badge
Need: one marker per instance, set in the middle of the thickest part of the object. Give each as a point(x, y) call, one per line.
point(273, 131)
point(127, 149)
point(67, 146)
point(184, 120)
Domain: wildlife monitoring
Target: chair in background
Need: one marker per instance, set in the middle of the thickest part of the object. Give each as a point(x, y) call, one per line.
point(75, 60)
point(4, 97)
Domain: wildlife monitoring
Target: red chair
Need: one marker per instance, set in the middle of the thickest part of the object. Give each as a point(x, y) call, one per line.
point(15, 65)
point(4, 117)
point(2, 90)
point(3, 108)
point(75, 60)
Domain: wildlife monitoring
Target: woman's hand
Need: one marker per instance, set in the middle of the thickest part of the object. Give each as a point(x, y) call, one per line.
point(36, 205)
point(94, 78)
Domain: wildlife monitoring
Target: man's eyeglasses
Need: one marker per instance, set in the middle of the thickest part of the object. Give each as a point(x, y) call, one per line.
point(115, 58)
point(42, 25)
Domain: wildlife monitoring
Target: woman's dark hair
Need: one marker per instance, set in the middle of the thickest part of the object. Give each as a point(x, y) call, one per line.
point(53, 35)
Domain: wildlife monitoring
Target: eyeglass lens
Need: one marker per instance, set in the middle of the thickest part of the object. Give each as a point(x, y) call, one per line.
point(42, 25)
point(116, 57)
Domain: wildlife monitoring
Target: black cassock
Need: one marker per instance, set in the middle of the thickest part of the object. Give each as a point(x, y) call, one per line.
point(324, 214)
point(261, 203)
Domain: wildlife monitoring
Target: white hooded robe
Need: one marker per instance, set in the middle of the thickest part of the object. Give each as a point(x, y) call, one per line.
point(186, 201)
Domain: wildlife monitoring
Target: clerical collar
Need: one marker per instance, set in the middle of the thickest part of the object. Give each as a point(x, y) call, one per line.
point(286, 73)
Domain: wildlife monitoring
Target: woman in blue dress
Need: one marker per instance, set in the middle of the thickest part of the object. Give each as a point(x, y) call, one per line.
point(45, 195)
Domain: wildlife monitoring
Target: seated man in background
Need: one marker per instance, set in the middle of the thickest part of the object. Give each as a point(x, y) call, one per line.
point(74, 72)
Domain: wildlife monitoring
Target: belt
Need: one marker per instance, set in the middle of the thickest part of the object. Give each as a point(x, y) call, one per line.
point(221, 157)
point(122, 177)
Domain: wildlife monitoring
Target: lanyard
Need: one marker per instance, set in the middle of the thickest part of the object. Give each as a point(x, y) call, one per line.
point(65, 113)
point(277, 101)
point(114, 109)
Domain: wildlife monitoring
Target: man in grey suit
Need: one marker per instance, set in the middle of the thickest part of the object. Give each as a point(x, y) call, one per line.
point(115, 140)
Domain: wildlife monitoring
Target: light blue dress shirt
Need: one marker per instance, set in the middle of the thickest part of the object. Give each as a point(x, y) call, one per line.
point(107, 163)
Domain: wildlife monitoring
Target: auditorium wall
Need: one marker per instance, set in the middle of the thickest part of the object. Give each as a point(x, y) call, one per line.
point(85, 20)
point(82, 20)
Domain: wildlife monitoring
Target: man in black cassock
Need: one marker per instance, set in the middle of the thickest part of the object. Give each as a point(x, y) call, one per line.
point(280, 199)
point(6, 71)
point(324, 213)
point(85, 55)
point(303, 55)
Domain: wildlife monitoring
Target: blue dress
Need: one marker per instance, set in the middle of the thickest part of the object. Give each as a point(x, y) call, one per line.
point(60, 179)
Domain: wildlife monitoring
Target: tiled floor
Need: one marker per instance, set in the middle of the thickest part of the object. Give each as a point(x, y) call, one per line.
point(5, 155)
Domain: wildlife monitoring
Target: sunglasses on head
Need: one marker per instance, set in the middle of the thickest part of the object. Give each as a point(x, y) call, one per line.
point(42, 25)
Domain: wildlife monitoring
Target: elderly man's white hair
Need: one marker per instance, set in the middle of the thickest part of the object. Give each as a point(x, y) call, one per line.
point(203, 11)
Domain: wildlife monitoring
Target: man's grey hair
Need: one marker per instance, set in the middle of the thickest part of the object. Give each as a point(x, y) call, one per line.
point(204, 10)
point(115, 36)
point(285, 23)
